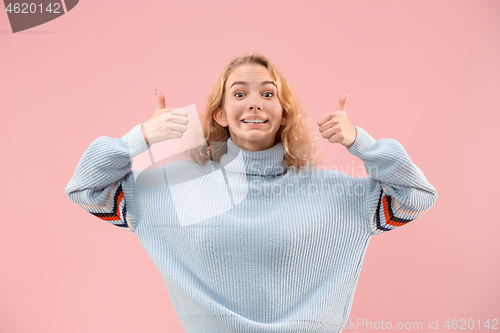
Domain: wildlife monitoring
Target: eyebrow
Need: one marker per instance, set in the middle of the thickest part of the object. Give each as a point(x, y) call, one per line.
point(246, 83)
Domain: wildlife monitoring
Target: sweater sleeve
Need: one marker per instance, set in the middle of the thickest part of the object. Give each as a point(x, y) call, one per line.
point(398, 191)
point(103, 183)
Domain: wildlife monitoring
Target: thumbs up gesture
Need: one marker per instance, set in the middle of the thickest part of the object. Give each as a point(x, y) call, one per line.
point(165, 124)
point(336, 127)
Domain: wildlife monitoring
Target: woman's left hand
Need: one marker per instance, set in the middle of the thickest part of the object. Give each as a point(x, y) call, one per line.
point(336, 127)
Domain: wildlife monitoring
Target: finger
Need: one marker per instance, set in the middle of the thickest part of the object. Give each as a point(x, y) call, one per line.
point(329, 133)
point(324, 118)
point(177, 116)
point(161, 111)
point(179, 112)
point(160, 100)
point(169, 110)
point(180, 120)
point(335, 139)
point(178, 128)
point(326, 125)
point(343, 102)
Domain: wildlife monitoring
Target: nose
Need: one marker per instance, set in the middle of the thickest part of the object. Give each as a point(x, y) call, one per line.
point(254, 105)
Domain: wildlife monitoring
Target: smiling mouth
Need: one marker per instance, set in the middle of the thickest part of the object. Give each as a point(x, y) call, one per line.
point(254, 121)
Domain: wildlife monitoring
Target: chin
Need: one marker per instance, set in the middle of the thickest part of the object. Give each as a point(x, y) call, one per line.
point(256, 138)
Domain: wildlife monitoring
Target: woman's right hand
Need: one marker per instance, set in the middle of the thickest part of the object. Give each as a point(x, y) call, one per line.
point(165, 124)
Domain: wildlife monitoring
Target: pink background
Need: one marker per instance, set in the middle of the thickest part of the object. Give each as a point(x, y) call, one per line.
point(426, 73)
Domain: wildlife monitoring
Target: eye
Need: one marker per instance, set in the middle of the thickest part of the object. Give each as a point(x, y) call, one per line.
point(267, 92)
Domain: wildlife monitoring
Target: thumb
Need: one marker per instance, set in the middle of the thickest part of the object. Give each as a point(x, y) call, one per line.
point(343, 102)
point(160, 100)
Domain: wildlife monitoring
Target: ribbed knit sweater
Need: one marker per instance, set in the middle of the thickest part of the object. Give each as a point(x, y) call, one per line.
point(249, 244)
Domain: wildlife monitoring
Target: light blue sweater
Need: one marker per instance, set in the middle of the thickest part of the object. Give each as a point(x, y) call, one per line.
point(247, 244)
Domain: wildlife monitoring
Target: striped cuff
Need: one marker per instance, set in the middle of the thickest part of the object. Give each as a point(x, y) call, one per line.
point(385, 218)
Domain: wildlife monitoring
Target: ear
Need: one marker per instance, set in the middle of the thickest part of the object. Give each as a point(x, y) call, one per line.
point(283, 121)
point(220, 117)
point(283, 118)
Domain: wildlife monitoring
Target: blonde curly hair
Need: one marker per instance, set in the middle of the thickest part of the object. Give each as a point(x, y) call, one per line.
point(301, 144)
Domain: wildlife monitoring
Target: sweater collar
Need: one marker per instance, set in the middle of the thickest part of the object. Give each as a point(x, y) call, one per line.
point(268, 162)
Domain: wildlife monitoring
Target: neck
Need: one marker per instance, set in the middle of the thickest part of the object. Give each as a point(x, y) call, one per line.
point(253, 145)
point(267, 162)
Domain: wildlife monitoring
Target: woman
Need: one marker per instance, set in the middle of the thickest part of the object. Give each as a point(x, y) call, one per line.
point(250, 235)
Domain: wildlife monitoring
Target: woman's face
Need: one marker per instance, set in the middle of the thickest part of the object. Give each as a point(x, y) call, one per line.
point(251, 93)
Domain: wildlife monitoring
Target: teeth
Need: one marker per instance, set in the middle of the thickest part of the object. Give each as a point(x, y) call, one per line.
point(254, 121)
